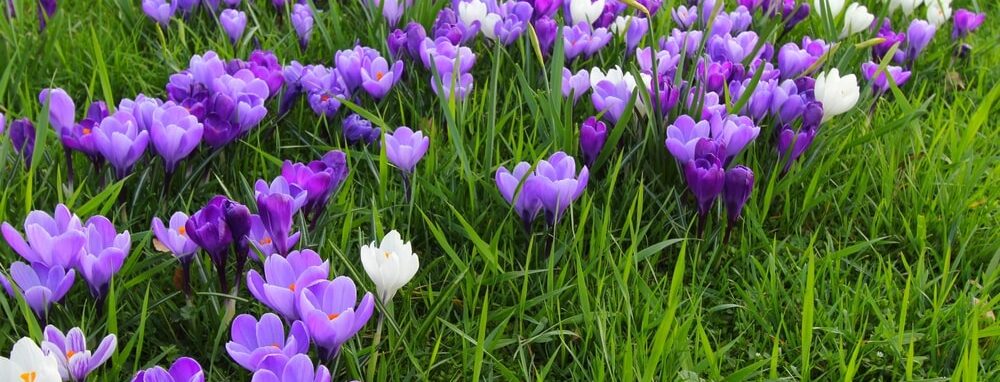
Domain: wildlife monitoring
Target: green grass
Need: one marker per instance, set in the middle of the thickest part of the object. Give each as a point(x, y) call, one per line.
point(860, 264)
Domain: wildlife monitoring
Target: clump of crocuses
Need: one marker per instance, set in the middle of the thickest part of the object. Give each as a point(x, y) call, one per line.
point(552, 187)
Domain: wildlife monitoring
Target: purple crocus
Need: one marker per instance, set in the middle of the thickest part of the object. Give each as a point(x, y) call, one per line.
point(320, 179)
point(545, 29)
point(377, 78)
point(444, 57)
point(793, 61)
point(358, 130)
point(582, 39)
point(325, 89)
point(238, 218)
point(285, 278)
point(513, 21)
point(298, 368)
point(575, 84)
point(276, 212)
point(448, 26)
point(405, 148)
point(70, 351)
point(62, 110)
point(511, 185)
point(174, 238)
point(40, 286)
point(415, 35)
point(890, 38)
point(329, 312)
point(237, 106)
point(259, 238)
point(184, 369)
point(159, 10)
point(121, 141)
point(460, 87)
point(966, 22)
point(396, 41)
point(685, 17)
point(880, 84)
point(46, 9)
point(254, 340)
point(637, 29)
point(349, 63)
point(79, 137)
point(280, 185)
point(610, 98)
point(52, 240)
point(918, 35)
point(209, 230)
point(103, 255)
point(234, 23)
point(734, 133)
point(792, 144)
point(593, 134)
point(175, 134)
point(302, 20)
point(22, 136)
point(735, 193)
point(557, 184)
point(705, 178)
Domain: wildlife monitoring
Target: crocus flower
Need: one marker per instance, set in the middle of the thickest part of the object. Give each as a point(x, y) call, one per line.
point(237, 106)
point(377, 78)
point(837, 94)
point(396, 41)
point(276, 212)
point(705, 177)
point(685, 17)
point(298, 368)
point(610, 98)
point(472, 12)
point(79, 137)
point(460, 87)
point(415, 35)
point(918, 35)
point(320, 179)
point(405, 148)
point(792, 144)
point(302, 20)
point(448, 26)
point(285, 278)
point(545, 29)
point(174, 238)
point(392, 10)
point(880, 83)
point(514, 18)
point(325, 89)
point(582, 39)
point(329, 312)
point(62, 110)
point(280, 185)
point(735, 193)
point(184, 369)
point(254, 340)
point(793, 61)
point(175, 134)
point(856, 19)
point(46, 8)
point(27, 362)
point(158, 10)
point(52, 240)
point(358, 130)
point(103, 255)
point(593, 134)
point(832, 6)
point(575, 84)
point(390, 264)
point(511, 185)
point(734, 133)
point(557, 184)
point(349, 63)
point(40, 286)
point(444, 57)
point(209, 230)
point(259, 238)
point(70, 351)
point(584, 11)
point(965, 23)
point(22, 136)
point(233, 22)
point(683, 135)
point(121, 142)
point(3, 123)
point(731, 48)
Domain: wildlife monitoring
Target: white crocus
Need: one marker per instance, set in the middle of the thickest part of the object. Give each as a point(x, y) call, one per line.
point(835, 6)
point(856, 19)
point(938, 11)
point(837, 94)
point(28, 363)
point(489, 25)
point(615, 75)
point(390, 264)
point(906, 5)
point(621, 25)
point(585, 10)
point(471, 11)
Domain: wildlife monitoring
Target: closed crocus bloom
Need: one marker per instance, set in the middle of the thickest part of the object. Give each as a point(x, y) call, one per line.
point(40, 286)
point(175, 134)
point(610, 98)
point(938, 11)
point(415, 35)
point(918, 35)
point(856, 19)
point(405, 148)
point(396, 41)
point(685, 17)
point(70, 351)
point(329, 312)
point(585, 11)
point(302, 20)
point(736, 192)
point(705, 177)
point(285, 278)
point(158, 10)
point(103, 255)
point(635, 32)
point(276, 213)
point(298, 368)
point(27, 362)
point(593, 134)
point(451, 85)
point(121, 142)
point(52, 240)
point(184, 369)
point(390, 264)
point(545, 29)
point(472, 12)
point(62, 110)
point(575, 84)
point(46, 8)
point(557, 184)
point(966, 22)
point(173, 237)
point(526, 203)
point(837, 94)
point(234, 23)
point(209, 230)
point(22, 136)
point(358, 130)
point(792, 144)
point(906, 5)
point(833, 6)
point(377, 78)
point(880, 83)
point(254, 340)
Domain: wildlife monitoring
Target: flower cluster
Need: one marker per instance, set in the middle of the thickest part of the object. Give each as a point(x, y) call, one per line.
point(551, 185)
point(232, 20)
point(57, 248)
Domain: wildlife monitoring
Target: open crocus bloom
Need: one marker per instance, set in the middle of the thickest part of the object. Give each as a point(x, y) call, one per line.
point(52, 240)
point(184, 369)
point(27, 362)
point(285, 278)
point(255, 340)
point(295, 369)
point(70, 350)
point(332, 314)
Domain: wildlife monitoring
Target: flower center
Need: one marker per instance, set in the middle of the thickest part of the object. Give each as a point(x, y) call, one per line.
point(324, 97)
point(379, 75)
point(291, 287)
point(29, 376)
point(86, 131)
point(386, 254)
point(276, 346)
point(265, 241)
point(69, 354)
point(333, 316)
point(182, 231)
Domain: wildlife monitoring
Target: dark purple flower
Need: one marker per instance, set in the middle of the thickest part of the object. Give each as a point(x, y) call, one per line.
point(714, 75)
point(302, 20)
point(404, 148)
point(448, 26)
point(46, 8)
point(545, 29)
point(593, 134)
point(350, 62)
point(736, 192)
point(329, 312)
point(320, 179)
point(415, 35)
point(40, 286)
point(792, 144)
point(966, 22)
point(79, 137)
point(70, 350)
point(253, 340)
point(276, 213)
point(890, 38)
point(556, 184)
point(280, 185)
point(705, 177)
point(22, 136)
point(209, 230)
point(184, 369)
point(396, 41)
point(103, 254)
point(358, 130)
point(793, 61)
point(285, 278)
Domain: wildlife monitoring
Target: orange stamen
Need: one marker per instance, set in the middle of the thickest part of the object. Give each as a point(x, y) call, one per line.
point(29, 376)
point(182, 231)
point(379, 75)
point(291, 287)
point(333, 316)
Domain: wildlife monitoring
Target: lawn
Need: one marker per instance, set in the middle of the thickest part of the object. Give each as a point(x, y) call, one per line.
point(875, 256)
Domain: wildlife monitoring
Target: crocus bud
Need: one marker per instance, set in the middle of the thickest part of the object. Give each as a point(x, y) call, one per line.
point(233, 22)
point(739, 184)
point(302, 20)
point(158, 10)
point(837, 94)
point(856, 19)
point(397, 44)
point(918, 35)
point(390, 264)
point(966, 22)
point(358, 130)
point(593, 134)
point(545, 30)
point(415, 35)
point(705, 177)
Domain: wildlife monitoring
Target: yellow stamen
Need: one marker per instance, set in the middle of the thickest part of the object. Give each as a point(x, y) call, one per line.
point(265, 241)
point(182, 231)
point(69, 354)
point(29, 376)
point(333, 316)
